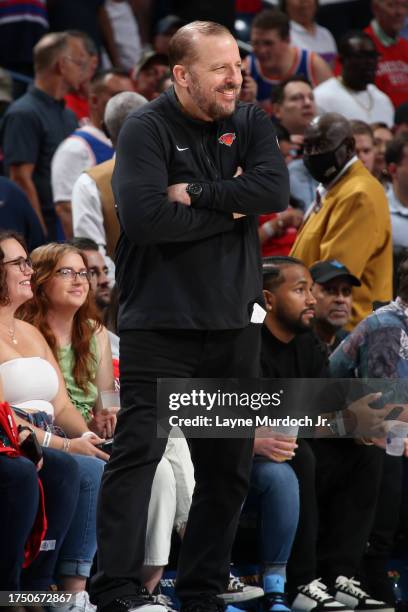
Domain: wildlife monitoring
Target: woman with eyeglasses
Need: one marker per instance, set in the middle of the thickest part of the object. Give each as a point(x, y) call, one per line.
point(33, 383)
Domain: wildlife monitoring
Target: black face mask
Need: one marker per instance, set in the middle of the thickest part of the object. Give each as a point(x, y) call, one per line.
point(324, 166)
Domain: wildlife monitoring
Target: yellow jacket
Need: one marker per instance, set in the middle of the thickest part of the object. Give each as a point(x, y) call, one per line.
point(354, 227)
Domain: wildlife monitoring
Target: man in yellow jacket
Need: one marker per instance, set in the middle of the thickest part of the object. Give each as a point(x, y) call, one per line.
point(349, 219)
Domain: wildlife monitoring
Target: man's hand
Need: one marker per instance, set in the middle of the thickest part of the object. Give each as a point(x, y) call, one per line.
point(177, 193)
point(276, 447)
point(366, 421)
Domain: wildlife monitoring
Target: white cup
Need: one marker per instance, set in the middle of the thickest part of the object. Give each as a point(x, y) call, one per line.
point(396, 435)
point(110, 399)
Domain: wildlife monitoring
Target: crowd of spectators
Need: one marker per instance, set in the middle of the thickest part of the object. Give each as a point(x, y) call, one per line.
point(70, 74)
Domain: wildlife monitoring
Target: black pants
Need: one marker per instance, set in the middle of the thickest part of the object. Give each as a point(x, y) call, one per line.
point(222, 466)
point(348, 477)
point(302, 561)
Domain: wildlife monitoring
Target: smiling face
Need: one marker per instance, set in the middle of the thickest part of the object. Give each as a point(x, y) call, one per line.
point(63, 291)
point(209, 85)
point(269, 48)
point(18, 272)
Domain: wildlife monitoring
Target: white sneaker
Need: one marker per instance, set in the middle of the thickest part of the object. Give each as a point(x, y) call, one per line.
point(165, 601)
point(314, 596)
point(239, 591)
point(349, 592)
point(79, 603)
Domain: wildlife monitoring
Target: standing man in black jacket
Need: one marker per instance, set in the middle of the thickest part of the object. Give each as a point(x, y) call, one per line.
point(194, 168)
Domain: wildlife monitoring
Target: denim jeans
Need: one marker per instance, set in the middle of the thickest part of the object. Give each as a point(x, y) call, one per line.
point(79, 547)
point(18, 509)
point(274, 497)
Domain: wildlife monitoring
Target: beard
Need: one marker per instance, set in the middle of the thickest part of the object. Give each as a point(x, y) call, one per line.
point(296, 325)
point(211, 108)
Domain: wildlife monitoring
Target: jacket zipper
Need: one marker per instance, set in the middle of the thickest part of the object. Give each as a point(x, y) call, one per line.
point(210, 163)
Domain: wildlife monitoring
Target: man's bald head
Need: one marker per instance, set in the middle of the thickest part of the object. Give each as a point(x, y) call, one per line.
point(183, 48)
point(326, 132)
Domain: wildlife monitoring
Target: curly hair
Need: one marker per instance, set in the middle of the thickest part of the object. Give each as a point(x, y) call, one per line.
point(7, 235)
point(86, 320)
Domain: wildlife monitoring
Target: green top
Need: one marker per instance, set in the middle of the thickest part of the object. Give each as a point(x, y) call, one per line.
point(84, 402)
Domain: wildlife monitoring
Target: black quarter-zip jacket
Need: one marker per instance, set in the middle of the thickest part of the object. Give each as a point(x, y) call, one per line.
point(193, 267)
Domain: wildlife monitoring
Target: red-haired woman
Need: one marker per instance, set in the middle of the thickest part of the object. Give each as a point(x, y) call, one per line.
point(64, 312)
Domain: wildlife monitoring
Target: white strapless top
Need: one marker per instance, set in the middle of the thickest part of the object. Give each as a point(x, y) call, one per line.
point(29, 383)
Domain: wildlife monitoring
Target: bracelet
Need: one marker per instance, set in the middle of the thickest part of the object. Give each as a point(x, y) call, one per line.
point(268, 229)
point(87, 433)
point(47, 439)
point(66, 445)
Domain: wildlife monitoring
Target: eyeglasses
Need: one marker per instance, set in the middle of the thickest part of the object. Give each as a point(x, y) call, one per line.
point(82, 64)
point(69, 274)
point(23, 263)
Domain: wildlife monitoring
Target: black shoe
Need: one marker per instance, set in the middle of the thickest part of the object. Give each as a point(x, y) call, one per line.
point(141, 602)
point(203, 604)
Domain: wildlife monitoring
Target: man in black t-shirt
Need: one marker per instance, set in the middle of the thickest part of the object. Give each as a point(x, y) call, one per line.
point(333, 474)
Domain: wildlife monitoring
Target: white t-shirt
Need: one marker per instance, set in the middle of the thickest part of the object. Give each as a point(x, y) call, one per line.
point(73, 156)
point(370, 105)
point(321, 41)
point(87, 216)
point(125, 33)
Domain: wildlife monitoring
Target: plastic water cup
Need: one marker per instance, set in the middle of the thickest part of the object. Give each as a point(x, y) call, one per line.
point(396, 435)
point(110, 399)
point(290, 432)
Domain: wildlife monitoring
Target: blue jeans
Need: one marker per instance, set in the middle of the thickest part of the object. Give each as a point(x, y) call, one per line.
point(79, 547)
point(274, 497)
point(19, 503)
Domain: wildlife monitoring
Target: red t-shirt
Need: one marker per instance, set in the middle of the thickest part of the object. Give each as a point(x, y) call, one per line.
point(78, 105)
point(392, 70)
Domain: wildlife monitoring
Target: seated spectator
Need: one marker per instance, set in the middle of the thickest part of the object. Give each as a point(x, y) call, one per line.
point(305, 33)
point(294, 108)
point(347, 200)
point(147, 74)
point(63, 310)
point(93, 207)
point(392, 72)
point(87, 146)
point(364, 143)
point(401, 119)
point(16, 213)
point(396, 157)
point(330, 471)
point(332, 289)
point(275, 59)
point(33, 383)
point(377, 349)
point(30, 492)
point(35, 124)
point(353, 94)
point(6, 87)
point(382, 136)
point(98, 270)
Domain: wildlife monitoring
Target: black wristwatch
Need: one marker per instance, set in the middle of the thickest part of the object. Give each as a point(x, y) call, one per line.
point(194, 190)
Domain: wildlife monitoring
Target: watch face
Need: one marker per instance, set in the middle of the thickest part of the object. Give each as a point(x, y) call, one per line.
point(194, 189)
